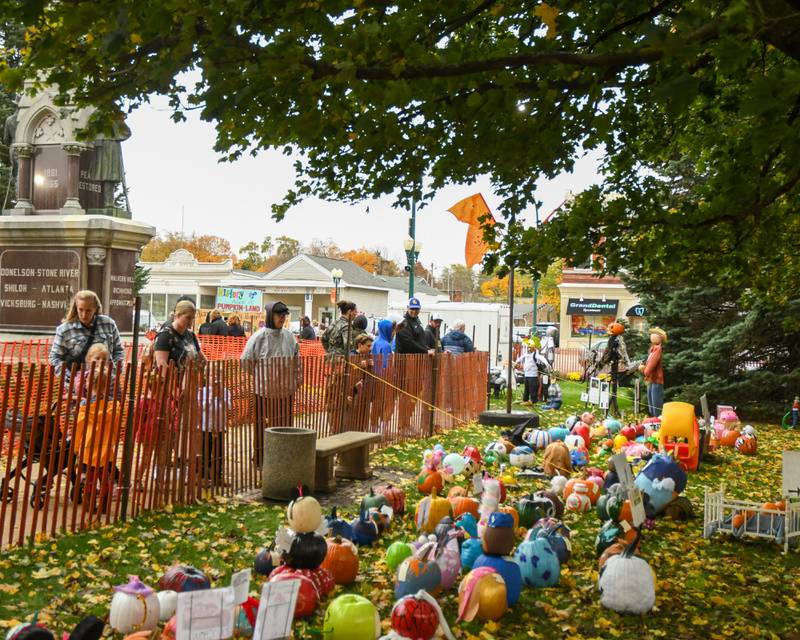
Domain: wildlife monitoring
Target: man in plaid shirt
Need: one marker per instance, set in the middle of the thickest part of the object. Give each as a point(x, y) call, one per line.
point(73, 334)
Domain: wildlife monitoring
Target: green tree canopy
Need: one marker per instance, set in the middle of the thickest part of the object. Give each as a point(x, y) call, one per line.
point(373, 94)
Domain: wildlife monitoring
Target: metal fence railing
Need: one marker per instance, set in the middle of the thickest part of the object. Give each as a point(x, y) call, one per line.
point(80, 449)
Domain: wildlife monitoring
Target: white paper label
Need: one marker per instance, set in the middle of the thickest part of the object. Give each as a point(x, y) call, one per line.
point(791, 474)
point(205, 615)
point(240, 583)
point(624, 472)
point(276, 610)
point(637, 506)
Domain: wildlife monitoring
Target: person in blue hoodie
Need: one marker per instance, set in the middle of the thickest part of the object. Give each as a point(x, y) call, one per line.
point(456, 341)
point(383, 401)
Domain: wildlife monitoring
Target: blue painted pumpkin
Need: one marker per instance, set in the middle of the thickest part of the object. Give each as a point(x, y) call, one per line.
point(508, 570)
point(557, 533)
point(579, 457)
point(559, 433)
point(539, 438)
point(420, 571)
point(365, 531)
point(468, 523)
point(338, 527)
point(470, 551)
point(538, 563)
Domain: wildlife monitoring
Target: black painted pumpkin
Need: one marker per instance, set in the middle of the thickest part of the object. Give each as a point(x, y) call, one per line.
point(266, 561)
point(307, 551)
point(337, 526)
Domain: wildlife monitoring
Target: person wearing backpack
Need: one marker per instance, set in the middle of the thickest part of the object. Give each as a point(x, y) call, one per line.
point(83, 326)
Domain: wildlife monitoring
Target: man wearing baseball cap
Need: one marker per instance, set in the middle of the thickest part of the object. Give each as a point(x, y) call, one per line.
point(432, 332)
point(410, 332)
point(409, 339)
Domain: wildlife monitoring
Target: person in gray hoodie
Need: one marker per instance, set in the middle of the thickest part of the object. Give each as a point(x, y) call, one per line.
point(272, 356)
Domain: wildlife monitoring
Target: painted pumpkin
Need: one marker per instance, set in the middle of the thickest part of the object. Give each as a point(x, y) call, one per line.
point(612, 424)
point(538, 563)
point(448, 557)
point(574, 442)
point(463, 504)
point(134, 607)
point(304, 514)
point(583, 431)
point(351, 617)
point(508, 570)
point(31, 631)
point(321, 577)
point(430, 512)
point(307, 551)
point(373, 500)
point(413, 616)
point(503, 508)
point(382, 517)
point(539, 439)
point(496, 447)
point(498, 536)
point(396, 553)
point(551, 497)
point(167, 604)
point(746, 445)
point(627, 583)
point(679, 509)
point(429, 479)
point(420, 571)
point(557, 533)
point(170, 629)
point(470, 551)
point(609, 533)
point(266, 561)
point(339, 527)
point(181, 577)
point(615, 548)
point(579, 457)
point(729, 437)
point(482, 594)
point(341, 560)
point(365, 531)
point(522, 457)
point(557, 433)
point(556, 459)
point(578, 501)
point(615, 329)
point(468, 522)
point(590, 489)
point(531, 509)
point(307, 596)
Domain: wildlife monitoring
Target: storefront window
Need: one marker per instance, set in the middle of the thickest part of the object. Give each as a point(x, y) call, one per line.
point(583, 326)
point(208, 301)
point(159, 307)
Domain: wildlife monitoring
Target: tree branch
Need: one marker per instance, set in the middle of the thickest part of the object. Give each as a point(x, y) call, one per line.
point(647, 15)
point(456, 23)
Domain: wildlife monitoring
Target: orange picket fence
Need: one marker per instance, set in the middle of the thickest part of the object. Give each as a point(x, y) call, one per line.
point(77, 449)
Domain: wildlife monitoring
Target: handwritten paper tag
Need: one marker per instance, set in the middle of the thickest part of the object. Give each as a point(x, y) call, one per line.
point(624, 472)
point(637, 506)
point(276, 610)
point(240, 583)
point(205, 615)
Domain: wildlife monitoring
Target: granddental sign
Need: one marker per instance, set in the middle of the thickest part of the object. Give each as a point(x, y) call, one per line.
point(587, 307)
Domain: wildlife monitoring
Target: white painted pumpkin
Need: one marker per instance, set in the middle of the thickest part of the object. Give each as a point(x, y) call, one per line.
point(304, 514)
point(496, 447)
point(168, 603)
point(749, 430)
point(579, 502)
point(557, 484)
point(521, 457)
point(134, 607)
point(574, 442)
point(627, 583)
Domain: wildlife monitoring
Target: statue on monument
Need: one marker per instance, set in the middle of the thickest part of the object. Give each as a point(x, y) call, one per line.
point(107, 166)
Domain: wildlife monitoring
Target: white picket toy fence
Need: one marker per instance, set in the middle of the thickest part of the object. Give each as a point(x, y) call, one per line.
point(718, 512)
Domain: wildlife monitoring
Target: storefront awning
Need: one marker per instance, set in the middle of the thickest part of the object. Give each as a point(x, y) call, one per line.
point(588, 307)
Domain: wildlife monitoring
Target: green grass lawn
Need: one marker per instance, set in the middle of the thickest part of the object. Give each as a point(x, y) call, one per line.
point(719, 588)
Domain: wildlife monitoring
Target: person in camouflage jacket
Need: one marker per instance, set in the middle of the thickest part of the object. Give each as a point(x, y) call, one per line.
point(335, 339)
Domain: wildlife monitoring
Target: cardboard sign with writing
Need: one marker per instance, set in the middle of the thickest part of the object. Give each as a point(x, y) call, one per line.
point(240, 583)
point(624, 472)
point(205, 615)
point(637, 506)
point(791, 474)
point(276, 610)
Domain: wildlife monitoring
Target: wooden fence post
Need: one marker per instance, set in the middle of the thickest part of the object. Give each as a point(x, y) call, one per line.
point(434, 385)
point(127, 448)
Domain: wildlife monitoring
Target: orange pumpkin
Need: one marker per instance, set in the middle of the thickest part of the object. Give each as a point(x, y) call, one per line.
point(510, 511)
point(456, 492)
point(781, 505)
point(430, 512)
point(341, 560)
point(591, 489)
point(746, 445)
point(428, 479)
point(463, 504)
point(616, 329)
point(396, 497)
point(740, 517)
point(769, 505)
point(728, 438)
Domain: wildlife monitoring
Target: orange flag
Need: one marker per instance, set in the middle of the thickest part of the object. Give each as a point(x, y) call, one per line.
point(470, 210)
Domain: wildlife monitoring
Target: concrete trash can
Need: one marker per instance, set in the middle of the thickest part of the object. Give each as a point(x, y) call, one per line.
point(289, 461)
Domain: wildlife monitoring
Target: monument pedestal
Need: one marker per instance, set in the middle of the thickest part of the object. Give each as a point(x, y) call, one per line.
point(45, 259)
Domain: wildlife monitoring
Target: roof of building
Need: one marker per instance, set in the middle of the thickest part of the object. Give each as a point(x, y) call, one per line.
point(352, 274)
point(401, 283)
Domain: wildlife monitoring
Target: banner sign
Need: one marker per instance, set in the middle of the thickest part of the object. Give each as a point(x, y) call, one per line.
point(229, 299)
point(577, 307)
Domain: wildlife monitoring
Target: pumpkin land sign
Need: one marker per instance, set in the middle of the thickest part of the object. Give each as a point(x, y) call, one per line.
point(243, 300)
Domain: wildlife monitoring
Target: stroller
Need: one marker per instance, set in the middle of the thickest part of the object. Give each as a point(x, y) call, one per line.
point(43, 443)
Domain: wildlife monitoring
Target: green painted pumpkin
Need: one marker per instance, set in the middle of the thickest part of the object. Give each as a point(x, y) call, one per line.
point(373, 501)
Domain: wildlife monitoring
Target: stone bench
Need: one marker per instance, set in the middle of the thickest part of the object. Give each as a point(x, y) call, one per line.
point(352, 447)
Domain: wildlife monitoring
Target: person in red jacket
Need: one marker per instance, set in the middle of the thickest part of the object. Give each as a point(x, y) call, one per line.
point(654, 372)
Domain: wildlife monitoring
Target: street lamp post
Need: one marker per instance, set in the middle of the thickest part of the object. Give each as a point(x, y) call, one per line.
point(413, 248)
point(336, 274)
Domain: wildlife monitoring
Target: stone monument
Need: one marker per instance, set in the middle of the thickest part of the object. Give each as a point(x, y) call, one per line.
point(65, 232)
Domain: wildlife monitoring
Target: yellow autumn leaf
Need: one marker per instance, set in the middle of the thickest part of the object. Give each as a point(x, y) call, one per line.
point(41, 574)
point(548, 15)
point(10, 624)
point(9, 588)
point(136, 38)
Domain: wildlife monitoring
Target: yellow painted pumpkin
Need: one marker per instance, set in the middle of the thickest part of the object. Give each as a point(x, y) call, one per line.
point(431, 510)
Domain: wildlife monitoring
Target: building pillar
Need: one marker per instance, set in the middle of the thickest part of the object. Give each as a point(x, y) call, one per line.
point(95, 280)
point(72, 204)
point(308, 309)
point(23, 153)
